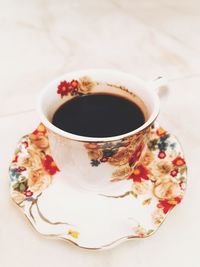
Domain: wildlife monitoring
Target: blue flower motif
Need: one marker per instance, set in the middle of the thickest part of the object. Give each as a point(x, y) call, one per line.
point(173, 145)
point(14, 174)
point(95, 163)
point(108, 153)
point(162, 146)
point(164, 138)
point(107, 145)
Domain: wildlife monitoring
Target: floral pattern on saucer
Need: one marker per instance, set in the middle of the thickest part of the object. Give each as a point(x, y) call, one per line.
point(161, 174)
point(157, 182)
point(31, 172)
point(32, 167)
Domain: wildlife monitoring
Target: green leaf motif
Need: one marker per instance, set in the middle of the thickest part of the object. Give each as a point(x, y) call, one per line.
point(15, 186)
point(17, 150)
point(152, 145)
point(149, 232)
point(133, 194)
point(182, 178)
point(173, 145)
point(23, 179)
point(182, 170)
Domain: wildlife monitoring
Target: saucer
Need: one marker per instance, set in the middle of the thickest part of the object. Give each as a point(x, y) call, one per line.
point(90, 219)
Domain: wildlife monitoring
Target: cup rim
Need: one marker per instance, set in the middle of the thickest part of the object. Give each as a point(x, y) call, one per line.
point(80, 138)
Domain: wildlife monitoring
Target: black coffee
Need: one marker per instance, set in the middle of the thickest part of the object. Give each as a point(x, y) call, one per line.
point(98, 115)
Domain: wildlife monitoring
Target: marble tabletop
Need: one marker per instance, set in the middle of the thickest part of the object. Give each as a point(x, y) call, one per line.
point(42, 39)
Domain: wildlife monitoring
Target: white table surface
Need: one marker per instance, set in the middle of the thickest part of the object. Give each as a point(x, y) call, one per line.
point(41, 39)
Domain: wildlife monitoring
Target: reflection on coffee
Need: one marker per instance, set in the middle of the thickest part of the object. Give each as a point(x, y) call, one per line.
point(98, 115)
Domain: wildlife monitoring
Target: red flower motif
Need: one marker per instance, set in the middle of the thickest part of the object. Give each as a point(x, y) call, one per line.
point(160, 132)
point(167, 205)
point(65, 88)
point(15, 159)
point(161, 154)
point(74, 83)
point(28, 193)
point(137, 153)
point(25, 143)
point(178, 161)
point(92, 146)
point(174, 172)
point(104, 159)
point(182, 185)
point(41, 129)
point(21, 169)
point(49, 165)
point(139, 173)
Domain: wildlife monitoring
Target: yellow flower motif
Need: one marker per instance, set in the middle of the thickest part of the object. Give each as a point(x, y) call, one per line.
point(120, 158)
point(160, 131)
point(39, 140)
point(147, 159)
point(91, 146)
point(147, 201)
point(38, 181)
point(74, 234)
point(121, 173)
point(86, 84)
point(164, 167)
point(95, 154)
point(167, 189)
point(41, 128)
point(140, 231)
point(158, 216)
point(140, 188)
point(33, 160)
point(160, 170)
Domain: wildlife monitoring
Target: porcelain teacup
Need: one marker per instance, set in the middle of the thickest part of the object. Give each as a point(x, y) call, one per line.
point(90, 163)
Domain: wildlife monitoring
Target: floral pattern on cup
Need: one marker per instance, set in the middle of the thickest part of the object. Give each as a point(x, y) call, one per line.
point(116, 153)
point(75, 87)
point(122, 155)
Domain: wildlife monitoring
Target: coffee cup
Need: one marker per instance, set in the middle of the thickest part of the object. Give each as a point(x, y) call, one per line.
point(99, 164)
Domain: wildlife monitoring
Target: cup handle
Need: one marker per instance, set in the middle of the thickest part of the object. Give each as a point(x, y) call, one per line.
point(160, 85)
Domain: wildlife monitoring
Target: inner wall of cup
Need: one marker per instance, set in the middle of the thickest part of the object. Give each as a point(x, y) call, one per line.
point(125, 93)
point(128, 88)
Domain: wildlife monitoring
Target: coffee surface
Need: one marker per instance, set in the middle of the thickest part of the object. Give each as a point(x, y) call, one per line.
point(98, 115)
